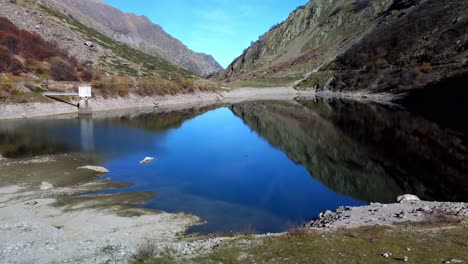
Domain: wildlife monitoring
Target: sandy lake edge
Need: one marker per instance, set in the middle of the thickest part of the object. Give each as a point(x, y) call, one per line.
point(174, 102)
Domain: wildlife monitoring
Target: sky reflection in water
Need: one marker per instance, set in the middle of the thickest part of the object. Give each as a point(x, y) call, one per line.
point(216, 167)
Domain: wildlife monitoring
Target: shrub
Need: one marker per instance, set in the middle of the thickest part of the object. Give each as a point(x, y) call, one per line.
point(61, 70)
point(16, 42)
point(146, 251)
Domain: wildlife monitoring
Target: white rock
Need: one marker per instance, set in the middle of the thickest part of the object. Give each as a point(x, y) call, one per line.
point(95, 168)
point(147, 160)
point(89, 44)
point(407, 197)
point(386, 254)
point(46, 186)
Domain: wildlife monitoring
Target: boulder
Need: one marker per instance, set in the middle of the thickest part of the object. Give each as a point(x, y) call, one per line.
point(95, 168)
point(89, 44)
point(46, 186)
point(407, 197)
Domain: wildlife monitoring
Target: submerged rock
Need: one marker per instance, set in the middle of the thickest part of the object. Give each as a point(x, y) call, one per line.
point(95, 168)
point(46, 186)
point(147, 160)
point(407, 197)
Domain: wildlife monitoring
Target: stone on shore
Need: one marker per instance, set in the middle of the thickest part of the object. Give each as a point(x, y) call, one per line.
point(407, 197)
point(386, 254)
point(46, 186)
point(95, 168)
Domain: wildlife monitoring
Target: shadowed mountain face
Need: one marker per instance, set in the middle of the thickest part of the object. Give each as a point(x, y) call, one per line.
point(139, 32)
point(368, 152)
point(379, 46)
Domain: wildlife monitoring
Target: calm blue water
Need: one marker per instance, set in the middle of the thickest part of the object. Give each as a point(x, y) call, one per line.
point(216, 167)
point(264, 166)
point(260, 165)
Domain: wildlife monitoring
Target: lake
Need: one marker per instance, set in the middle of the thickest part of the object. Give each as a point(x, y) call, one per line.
point(261, 165)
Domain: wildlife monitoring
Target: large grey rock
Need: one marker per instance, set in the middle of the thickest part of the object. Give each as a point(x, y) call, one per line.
point(94, 168)
point(46, 186)
point(407, 197)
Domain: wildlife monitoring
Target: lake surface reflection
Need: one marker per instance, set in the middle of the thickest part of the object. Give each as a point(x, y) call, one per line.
point(263, 165)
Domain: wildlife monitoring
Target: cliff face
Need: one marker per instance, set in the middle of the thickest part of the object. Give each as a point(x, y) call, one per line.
point(312, 35)
point(381, 46)
point(136, 31)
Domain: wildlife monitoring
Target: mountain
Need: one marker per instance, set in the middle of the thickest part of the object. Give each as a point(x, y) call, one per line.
point(136, 31)
point(91, 48)
point(381, 46)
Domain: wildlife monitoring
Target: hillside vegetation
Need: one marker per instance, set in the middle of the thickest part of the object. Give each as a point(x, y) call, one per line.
point(31, 64)
point(22, 51)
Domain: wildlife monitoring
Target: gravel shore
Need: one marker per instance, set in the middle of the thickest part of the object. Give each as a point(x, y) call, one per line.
point(390, 214)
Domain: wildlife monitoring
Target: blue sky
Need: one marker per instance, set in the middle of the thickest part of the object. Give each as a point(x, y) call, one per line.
point(222, 28)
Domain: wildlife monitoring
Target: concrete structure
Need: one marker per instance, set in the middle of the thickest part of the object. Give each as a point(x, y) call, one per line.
point(84, 93)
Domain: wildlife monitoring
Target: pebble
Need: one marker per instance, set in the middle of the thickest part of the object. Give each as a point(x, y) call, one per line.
point(386, 254)
point(405, 258)
point(454, 260)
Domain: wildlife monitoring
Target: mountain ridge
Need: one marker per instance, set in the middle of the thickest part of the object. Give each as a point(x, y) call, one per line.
point(340, 45)
point(137, 31)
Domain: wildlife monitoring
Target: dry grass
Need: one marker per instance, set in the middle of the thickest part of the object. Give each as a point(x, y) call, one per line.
point(359, 245)
point(297, 230)
point(145, 251)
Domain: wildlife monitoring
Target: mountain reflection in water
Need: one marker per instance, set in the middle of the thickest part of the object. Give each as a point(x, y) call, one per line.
point(366, 151)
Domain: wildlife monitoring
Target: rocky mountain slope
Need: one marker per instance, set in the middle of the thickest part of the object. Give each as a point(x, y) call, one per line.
point(91, 48)
point(138, 32)
point(381, 45)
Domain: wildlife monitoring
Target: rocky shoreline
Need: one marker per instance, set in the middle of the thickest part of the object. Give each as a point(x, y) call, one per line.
point(391, 214)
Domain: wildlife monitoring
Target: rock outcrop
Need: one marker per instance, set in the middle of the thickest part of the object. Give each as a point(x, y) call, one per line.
point(391, 214)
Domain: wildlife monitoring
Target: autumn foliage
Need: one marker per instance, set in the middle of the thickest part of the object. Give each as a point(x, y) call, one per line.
point(20, 48)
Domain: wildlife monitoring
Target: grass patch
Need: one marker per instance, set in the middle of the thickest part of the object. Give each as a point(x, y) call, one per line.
point(362, 245)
